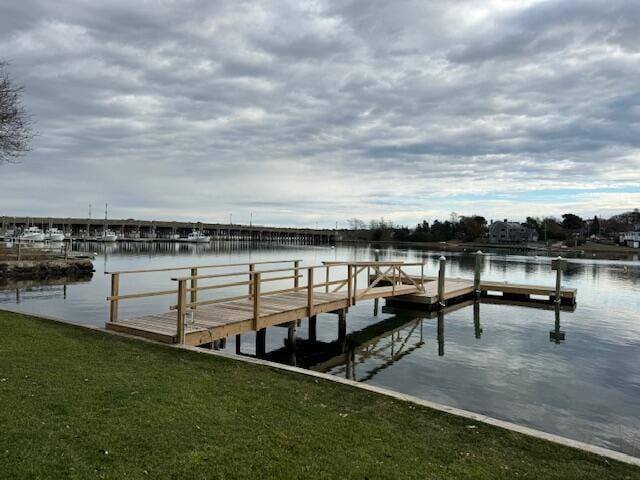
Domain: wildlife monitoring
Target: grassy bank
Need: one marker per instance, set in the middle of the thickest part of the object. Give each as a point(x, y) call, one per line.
point(77, 403)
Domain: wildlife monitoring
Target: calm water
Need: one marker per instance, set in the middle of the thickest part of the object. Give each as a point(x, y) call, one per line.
point(501, 360)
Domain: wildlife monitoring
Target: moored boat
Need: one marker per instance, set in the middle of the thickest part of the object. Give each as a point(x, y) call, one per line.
point(32, 234)
point(107, 235)
point(198, 237)
point(54, 235)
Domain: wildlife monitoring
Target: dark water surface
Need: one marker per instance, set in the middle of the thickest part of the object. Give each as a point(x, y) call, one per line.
point(505, 361)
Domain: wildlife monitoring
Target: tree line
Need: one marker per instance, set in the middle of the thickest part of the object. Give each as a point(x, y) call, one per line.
point(475, 227)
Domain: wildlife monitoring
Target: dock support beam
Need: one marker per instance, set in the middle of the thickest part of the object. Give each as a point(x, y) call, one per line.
point(291, 335)
point(441, 274)
point(342, 327)
point(313, 328)
point(261, 342)
point(238, 344)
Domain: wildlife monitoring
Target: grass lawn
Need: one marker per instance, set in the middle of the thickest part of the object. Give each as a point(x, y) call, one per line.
point(77, 403)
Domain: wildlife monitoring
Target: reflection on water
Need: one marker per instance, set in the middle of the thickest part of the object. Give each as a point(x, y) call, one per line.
point(573, 372)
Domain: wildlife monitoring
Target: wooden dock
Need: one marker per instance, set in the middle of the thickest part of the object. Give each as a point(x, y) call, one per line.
point(458, 289)
point(195, 320)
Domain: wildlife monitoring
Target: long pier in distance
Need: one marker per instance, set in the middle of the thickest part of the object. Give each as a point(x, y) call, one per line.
point(160, 230)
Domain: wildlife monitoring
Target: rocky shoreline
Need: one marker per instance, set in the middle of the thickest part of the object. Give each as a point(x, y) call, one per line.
point(42, 269)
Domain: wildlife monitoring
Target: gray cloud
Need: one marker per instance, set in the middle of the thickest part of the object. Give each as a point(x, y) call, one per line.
point(306, 112)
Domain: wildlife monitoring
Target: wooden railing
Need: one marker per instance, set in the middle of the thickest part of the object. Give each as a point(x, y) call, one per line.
point(115, 296)
point(257, 282)
point(391, 272)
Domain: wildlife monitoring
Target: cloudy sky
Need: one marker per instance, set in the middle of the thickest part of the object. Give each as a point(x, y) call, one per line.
point(315, 112)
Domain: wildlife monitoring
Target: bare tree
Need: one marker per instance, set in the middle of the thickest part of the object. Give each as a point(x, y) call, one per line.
point(15, 124)
point(356, 224)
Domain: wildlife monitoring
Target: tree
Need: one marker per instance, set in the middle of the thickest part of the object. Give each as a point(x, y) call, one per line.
point(356, 224)
point(572, 222)
point(15, 125)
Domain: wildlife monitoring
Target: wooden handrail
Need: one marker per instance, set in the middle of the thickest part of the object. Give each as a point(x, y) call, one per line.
point(218, 265)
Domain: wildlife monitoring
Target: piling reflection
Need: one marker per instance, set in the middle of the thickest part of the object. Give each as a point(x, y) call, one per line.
point(362, 354)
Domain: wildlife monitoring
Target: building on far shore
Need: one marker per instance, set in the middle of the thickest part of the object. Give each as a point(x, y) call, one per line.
point(630, 239)
point(511, 232)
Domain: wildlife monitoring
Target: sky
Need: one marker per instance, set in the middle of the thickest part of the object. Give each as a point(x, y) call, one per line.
point(305, 113)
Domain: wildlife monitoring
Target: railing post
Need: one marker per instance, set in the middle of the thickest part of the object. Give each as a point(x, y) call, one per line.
point(327, 276)
point(182, 310)
point(296, 279)
point(256, 300)
point(252, 268)
point(115, 291)
point(476, 274)
point(393, 284)
point(194, 288)
point(355, 284)
point(441, 273)
point(349, 292)
point(310, 292)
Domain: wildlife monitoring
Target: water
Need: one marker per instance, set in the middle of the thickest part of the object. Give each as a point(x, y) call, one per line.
point(500, 360)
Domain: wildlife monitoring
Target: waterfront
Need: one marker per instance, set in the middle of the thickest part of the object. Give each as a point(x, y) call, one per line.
point(587, 387)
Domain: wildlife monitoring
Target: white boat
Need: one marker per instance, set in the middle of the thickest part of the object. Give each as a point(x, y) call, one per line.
point(54, 235)
point(198, 237)
point(32, 234)
point(107, 236)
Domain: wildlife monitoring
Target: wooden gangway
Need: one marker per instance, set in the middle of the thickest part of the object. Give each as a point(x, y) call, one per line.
point(198, 322)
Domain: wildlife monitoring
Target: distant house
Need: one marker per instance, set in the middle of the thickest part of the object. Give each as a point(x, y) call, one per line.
point(511, 232)
point(630, 239)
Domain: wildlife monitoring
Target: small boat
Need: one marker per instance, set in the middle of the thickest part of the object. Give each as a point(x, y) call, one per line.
point(54, 235)
point(198, 237)
point(107, 235)
point(32, 234)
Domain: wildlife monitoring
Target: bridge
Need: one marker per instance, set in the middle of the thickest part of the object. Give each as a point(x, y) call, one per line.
point(131, 229)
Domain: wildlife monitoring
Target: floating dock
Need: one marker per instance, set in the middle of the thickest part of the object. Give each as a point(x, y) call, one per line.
point(194, 320)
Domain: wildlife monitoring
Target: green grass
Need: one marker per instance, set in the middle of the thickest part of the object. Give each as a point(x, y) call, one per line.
point(77, 403)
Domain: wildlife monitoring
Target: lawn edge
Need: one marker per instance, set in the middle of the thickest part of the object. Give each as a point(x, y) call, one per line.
point(477, 417)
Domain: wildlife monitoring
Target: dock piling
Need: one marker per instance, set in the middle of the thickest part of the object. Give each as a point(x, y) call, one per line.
point(313, 328)
point(441, 274)
point(559, 265)
point(476, 275)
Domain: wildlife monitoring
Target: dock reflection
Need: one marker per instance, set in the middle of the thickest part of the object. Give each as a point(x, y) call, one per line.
point(363, 354)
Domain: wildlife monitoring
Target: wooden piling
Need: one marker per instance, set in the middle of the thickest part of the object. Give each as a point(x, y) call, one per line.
point(238, 344)
point(441, 279)
point(291, 335)
point(313, 328)
point(476, 273)
point(261, 342)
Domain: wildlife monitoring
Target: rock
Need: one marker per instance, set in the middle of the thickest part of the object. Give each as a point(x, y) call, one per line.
point(42, 269)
